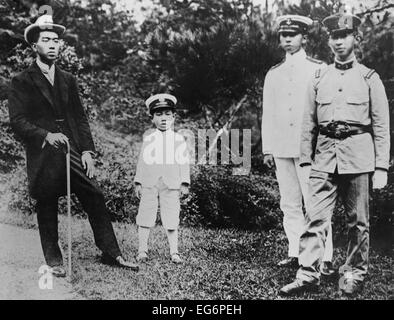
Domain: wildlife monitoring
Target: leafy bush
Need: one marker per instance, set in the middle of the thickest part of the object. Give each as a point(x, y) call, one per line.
point(219, 199)
point(11, 151)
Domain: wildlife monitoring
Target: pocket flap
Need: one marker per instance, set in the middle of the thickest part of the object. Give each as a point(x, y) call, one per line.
point(357, 99)
point(324, 98)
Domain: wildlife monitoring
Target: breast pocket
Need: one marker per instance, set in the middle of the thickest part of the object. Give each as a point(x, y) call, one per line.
point(324, 98)
point(357, 99)
point(357, 107)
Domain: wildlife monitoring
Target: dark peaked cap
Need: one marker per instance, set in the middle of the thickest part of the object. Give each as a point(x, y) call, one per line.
point(341, 22)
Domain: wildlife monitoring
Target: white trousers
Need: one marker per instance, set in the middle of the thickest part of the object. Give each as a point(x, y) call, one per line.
point(293, 188)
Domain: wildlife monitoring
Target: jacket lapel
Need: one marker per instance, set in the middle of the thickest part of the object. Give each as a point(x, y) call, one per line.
point(41, 82)
point(63, 86)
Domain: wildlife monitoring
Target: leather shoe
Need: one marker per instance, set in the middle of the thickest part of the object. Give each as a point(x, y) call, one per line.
point(296, 287)
point(175, 258)
point(58, 272)
point(327, 269)
point(289, 262)
point(142, 257)
point(351, 287)
point(119, 261)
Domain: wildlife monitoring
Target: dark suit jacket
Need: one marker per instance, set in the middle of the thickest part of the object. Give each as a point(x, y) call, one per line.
point(32, 116)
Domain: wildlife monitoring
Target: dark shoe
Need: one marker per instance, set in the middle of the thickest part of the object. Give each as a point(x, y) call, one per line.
point(291, 262)
point(296, 287)
point(58, 272)
point(118, 262)
point(351, 287)
point(122, 263)
point(327, 269)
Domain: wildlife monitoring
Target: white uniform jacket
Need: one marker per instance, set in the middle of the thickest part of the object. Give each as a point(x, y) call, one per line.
point(163, 154)
point(284, 100)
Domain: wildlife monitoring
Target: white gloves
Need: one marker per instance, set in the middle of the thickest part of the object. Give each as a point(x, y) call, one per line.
point(379, 179)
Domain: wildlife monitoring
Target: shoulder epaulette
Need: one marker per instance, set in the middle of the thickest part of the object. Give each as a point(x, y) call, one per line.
point(314, 60)
point(369, 74)
point(277, 65)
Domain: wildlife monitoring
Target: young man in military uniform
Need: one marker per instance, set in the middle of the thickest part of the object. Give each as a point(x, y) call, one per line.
point(346, 140)
point(283, 107)
point(46, 112)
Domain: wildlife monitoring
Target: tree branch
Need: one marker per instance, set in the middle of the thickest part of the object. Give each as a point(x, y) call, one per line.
point(376, 9)
point(227, 124)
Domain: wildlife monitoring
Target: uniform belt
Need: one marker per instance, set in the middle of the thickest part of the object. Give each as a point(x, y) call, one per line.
point(342, 130)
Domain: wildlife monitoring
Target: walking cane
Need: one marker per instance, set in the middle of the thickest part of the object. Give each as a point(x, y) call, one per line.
point(68, 207)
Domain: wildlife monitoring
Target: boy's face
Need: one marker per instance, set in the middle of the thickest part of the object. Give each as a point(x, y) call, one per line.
point(291, 42)
point(163, 119)
point(342, 44)
point(47, 46)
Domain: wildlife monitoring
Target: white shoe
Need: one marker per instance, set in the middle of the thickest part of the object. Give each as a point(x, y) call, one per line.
point(142, 256)
point(175, 258)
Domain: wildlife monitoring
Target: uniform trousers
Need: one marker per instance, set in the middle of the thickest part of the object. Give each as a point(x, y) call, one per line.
point(293, 188)
point(92, 200)
point(325, 189)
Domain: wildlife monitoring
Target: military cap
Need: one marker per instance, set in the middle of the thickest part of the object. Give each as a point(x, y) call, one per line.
point(43, 23)
point(294, 23)
point(341, 23)
point(160, 101)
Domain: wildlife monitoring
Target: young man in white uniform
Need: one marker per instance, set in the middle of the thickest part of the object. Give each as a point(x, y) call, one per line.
point(284, 100)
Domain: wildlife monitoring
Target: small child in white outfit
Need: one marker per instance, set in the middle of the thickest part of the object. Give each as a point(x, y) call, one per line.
point(162, 176)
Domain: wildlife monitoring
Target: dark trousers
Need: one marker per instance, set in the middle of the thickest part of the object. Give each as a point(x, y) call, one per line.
point(92, 200)
point(324, 191)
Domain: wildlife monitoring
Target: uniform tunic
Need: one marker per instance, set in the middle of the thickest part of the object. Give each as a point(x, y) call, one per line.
point(341, 168)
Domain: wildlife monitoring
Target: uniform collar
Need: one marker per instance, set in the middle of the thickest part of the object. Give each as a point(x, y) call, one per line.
point(169, 131)
point(345, 65)
point(297, 56)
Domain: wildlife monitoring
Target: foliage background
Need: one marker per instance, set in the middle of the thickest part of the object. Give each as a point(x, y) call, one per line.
point(211, 55)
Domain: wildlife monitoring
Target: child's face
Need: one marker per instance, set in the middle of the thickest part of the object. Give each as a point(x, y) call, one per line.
point(163, 119)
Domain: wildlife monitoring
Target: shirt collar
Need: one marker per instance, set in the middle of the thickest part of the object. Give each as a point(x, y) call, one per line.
point(169, 131)
point(45, 69)
point(297, 56)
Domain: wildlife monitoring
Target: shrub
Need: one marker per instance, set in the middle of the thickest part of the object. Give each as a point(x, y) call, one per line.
point(219, 199)
point(11, 151)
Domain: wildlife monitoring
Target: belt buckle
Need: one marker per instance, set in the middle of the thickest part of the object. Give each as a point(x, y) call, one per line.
point(340, 129)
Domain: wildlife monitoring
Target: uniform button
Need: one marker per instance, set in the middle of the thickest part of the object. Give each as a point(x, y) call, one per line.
point(290, 109)
point(340, 89)
point(342, 73)
point(291, 124)
point(289, 93)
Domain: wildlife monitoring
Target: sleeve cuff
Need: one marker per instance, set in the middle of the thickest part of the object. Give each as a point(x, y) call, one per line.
point(304, 164)
point(92, 153)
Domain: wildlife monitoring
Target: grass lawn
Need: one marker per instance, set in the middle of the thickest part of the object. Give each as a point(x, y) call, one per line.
point(219, 264)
